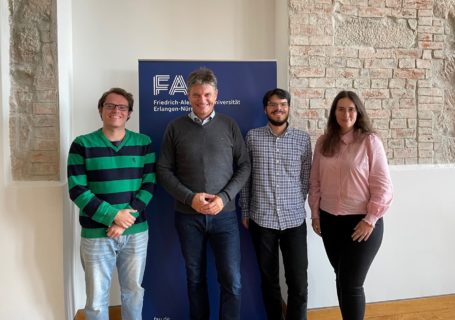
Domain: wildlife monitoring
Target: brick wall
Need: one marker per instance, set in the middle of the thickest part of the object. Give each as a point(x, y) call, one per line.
point(34, 120)
point(398, 55)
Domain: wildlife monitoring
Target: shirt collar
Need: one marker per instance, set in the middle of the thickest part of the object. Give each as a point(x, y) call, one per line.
point(196, 119)
point(285, 132)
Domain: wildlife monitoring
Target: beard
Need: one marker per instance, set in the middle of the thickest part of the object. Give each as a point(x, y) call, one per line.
point(276, 122)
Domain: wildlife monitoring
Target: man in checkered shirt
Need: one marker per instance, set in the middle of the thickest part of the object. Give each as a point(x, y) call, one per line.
point(273, 205)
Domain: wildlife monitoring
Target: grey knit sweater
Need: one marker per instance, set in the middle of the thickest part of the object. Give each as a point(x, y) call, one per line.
point(211, 158)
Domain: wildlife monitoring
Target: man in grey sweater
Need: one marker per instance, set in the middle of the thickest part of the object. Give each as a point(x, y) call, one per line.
point(203, 164)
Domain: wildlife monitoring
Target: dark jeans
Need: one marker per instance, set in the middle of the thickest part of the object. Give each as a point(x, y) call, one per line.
point(222, 232)
point(351, 260)
point(293, 245)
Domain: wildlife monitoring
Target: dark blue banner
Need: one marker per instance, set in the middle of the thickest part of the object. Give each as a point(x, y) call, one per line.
point(162, 98)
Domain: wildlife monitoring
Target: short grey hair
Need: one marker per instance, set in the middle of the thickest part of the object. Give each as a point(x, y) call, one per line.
point(201, 76)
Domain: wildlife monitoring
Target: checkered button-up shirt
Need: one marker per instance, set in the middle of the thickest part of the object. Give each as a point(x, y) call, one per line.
point(274, 196)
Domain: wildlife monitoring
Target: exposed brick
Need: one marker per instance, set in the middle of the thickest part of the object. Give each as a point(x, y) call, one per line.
point(396, 143)
point(379, 83)
point(321, 83)
point(405, 153)
point(375, 93)
point(404, 113)
point(425, 123)
point(398, 123)
point(393, 3)
point(380, 63)
point(430, 100)
point(407, 90)
point(372, 12)
point(418, 4)
point(402, 93)
point(373, 104)
point(379, 114)
point(361, 83)
point(397, 83)
point(309, 72)
point(409, 73)
point(403, 133)
point(408, 53)
point(309, 93)
point(431, 45)
point(425, 13)
point(426, 21)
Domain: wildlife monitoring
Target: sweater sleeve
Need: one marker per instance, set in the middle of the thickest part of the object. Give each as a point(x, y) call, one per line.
point(242, 167)
point(165, 170)
point(145, 193)
point(94, 207)
point(245, 192)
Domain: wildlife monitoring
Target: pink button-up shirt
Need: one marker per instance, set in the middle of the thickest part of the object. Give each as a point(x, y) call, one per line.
point(354, 181)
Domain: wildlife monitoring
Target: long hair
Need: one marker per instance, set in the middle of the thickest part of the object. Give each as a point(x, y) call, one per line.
point(362, 125)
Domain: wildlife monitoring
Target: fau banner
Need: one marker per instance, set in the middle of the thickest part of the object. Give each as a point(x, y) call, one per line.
point(162, 98)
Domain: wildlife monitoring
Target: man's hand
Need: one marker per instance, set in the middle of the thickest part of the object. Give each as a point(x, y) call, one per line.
point(206, 203)
point(115, 231)
point(124, 218)
point(246, 222)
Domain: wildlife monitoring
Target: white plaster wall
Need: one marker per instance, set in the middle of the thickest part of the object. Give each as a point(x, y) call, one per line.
point(417, 257)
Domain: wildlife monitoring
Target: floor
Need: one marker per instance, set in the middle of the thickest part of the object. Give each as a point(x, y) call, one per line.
point(432, 308)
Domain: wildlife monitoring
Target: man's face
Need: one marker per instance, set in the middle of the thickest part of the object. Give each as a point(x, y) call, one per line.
point(115, 111)
point(277, 111)
point(202, 98)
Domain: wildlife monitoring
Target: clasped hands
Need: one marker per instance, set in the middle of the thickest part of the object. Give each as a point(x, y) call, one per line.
point(122, 221)
point(206, 203)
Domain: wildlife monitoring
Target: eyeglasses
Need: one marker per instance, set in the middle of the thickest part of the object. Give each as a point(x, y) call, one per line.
point(276, 104)
point(112, 106)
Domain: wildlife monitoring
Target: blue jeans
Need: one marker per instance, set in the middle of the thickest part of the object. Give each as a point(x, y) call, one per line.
point(222, 232)
point(99, 256)
point(293, 245)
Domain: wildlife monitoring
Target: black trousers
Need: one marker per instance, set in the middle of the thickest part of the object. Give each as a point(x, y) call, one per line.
point(350, 259)
point(293, 245)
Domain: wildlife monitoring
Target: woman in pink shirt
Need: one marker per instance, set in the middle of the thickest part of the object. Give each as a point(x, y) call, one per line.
point(350, 191)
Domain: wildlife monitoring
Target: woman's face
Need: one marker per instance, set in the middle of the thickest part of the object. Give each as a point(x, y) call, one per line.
point(346, 114)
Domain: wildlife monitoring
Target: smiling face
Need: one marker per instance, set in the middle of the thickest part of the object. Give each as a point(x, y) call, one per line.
point(277, 110)
point(113, 112)
point(346, 114)
point(202, 98)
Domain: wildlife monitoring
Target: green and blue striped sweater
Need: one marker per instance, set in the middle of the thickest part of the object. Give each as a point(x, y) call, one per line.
point(104, 178)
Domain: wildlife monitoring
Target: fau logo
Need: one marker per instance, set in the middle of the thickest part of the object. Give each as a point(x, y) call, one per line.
point(161, 82)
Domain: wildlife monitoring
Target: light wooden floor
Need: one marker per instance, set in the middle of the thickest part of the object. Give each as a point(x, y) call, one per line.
point(433, 308)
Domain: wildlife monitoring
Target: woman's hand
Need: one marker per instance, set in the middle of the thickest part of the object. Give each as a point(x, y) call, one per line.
point(362, 231)
point(316, 224)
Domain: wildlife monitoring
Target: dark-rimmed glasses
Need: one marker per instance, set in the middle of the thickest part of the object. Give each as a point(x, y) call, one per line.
point(112, 106)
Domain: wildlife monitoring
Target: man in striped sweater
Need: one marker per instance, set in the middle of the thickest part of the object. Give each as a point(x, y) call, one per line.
point(111, 178)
